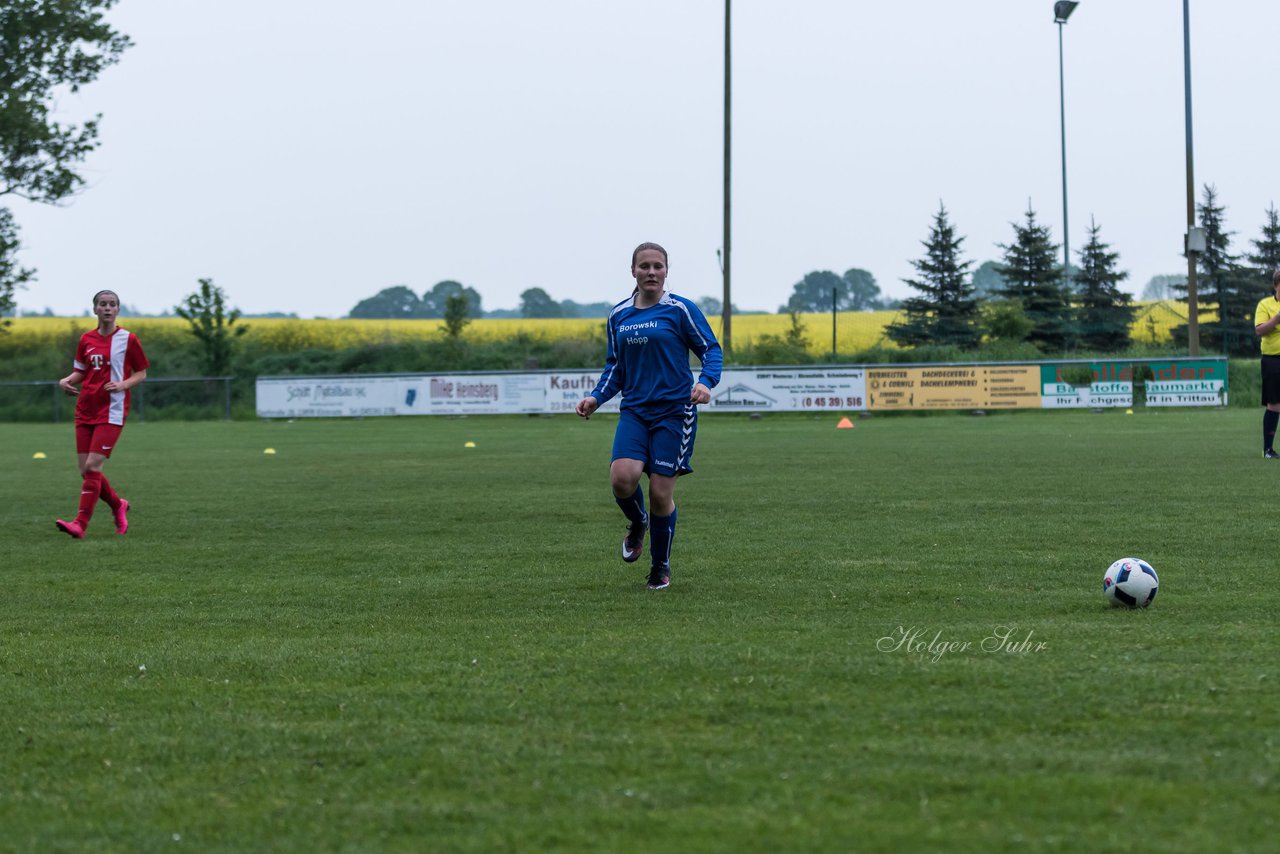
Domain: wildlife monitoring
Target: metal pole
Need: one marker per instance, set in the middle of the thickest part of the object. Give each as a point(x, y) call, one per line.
point(1062, 108)
point(727, 312)
point(226, 391)
point(833, 323)
point(1193, 299)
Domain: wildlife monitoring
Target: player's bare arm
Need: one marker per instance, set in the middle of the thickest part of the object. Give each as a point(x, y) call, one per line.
point(69, 383)
point(125, 385)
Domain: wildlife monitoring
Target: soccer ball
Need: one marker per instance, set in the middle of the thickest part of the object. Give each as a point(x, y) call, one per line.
point(1131, 582)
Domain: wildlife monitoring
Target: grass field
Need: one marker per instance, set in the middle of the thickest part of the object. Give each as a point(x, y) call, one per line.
point(378, 639)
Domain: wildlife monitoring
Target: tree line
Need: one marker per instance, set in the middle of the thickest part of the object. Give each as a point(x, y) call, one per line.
point(400, 301)
point(1037, 301)
point(1083, 307)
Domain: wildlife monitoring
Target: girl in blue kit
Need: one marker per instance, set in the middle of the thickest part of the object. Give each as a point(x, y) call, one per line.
point(651, 334)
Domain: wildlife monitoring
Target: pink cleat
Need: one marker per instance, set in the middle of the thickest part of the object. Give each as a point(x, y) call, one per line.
point(121, 517)
point(72, 528)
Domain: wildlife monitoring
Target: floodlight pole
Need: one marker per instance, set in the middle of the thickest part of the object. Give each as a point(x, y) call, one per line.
point(1193, 237)
point(1061, 12)
point(726, 310)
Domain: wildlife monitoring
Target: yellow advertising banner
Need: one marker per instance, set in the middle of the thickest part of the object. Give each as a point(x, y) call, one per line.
point(953, 387)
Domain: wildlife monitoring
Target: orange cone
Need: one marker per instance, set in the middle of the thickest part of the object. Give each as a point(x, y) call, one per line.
point(843, 424)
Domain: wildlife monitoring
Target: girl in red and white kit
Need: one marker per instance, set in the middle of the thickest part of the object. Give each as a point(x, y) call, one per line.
point(109, 362)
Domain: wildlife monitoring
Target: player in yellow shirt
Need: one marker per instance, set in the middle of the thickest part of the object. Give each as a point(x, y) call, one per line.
point(1266, 319)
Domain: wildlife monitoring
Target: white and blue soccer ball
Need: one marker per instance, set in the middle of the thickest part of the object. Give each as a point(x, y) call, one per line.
point(1130, 582)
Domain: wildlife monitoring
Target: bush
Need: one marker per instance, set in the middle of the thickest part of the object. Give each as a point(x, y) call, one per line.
point(1010, 351)
point(1244, 383)
point(772, 350)
point(1077, 375)
point(309, 361)
point(35, 403)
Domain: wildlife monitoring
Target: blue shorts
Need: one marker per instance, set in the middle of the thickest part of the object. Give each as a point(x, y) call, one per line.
point(664, 444)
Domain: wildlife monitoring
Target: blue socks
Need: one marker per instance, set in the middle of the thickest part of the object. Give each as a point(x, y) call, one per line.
point(633, 507)
point(662, 530)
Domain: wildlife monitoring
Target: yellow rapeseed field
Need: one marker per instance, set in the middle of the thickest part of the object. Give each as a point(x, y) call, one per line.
point(297, 334)
point(854, 331)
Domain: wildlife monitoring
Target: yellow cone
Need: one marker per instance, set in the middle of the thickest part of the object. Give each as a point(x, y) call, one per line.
point(1128, 412)
point(469, 445)
point(38, 455)
point(268, 450)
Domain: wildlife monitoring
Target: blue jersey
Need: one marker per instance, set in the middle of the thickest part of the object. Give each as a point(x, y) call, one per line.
point(648, 355)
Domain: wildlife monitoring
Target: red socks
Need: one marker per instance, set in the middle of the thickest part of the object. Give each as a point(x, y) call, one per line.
point(89, 494)
point(108, 494)
point(95, 486)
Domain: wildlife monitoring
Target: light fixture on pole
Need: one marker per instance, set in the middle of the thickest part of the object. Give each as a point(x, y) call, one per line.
point(1061, 12)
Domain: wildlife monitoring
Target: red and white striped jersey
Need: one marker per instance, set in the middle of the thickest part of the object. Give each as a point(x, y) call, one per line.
point(102, 360)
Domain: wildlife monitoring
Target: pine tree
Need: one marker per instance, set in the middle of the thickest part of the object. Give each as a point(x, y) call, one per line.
point(1223, 283)
point(1266, 251)
point(1265, 257)
point(1216, 259)
point(1032, 276)
point(946, 312)
point(1104, 311)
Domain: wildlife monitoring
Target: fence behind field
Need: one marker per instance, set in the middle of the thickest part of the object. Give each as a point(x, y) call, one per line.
point(157, 399)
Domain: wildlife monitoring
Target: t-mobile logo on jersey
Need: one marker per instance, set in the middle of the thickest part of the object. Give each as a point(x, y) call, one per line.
point(95, 359)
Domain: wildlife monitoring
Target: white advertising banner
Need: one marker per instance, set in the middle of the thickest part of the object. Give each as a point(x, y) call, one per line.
point(565, 388)
point(783, 390)
point(472, 394)
point(327, 397)
point(424, 394)
point(790, 390)
point(1095, 396)
point(1204, 392)
point(835, 388)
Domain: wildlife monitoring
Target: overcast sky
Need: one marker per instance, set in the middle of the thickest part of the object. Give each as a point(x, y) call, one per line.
point(305, 155)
